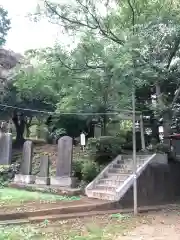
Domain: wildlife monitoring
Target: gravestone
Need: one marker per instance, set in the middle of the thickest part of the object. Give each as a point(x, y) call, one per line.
point(64, 163)
point(5, 148)
point(26, 165)
point(43, 176)
point(97, 130)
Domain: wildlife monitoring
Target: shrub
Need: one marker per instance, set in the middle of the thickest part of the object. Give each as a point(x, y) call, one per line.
point(161, 148)
point(85, 170)
point(58, 133)
point(77, 168)
point(104, 148)
point(53, 137)
point(129, 144)
point(7, 172)
point(90, 170)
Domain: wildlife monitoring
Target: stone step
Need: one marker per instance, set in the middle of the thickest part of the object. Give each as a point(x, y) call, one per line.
point(118, 165)
point(117, 176)
point(102, 194)
point(106, 187)
point(120, 170)
point(112, 181)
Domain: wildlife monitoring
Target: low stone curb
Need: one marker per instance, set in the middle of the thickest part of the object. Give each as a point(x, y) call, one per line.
point(57, 211)
point(47, 189)
point(38, 219)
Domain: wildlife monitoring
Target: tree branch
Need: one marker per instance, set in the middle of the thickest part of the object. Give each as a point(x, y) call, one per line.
point(174, 50)
point(72, 21)
point(106, 32)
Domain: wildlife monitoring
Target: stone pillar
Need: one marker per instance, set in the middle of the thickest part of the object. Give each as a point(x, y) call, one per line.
point(43, 176)
point(26, 165)
point(63, 176)
point(5, 148)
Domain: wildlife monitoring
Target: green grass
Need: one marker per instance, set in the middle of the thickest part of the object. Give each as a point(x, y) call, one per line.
point(93, 228)
point(10, 195)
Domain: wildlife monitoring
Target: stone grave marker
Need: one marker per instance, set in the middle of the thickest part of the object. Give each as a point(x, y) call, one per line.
point(64, 163)
point(26, 165)
point(5, 148)
point(97, 130)
point(43, 176)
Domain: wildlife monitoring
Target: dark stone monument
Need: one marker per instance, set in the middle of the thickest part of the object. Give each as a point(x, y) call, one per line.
point(97, 130)
point(5, 148)
point(64, 163)
point(43, 176)
point(26, 165)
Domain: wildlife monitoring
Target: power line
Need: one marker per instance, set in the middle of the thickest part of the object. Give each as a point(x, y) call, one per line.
point(65, 113)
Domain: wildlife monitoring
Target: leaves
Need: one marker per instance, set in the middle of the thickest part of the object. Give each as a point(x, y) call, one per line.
point(4, 25)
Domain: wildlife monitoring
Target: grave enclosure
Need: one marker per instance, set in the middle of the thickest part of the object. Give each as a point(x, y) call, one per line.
point(63, 177)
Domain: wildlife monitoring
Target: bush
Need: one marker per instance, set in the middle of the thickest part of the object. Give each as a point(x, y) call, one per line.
point(85, 170)
point(160, 148)
point(7, 172)
point(129, 144)
point(58, 133)
point(90, 170)
point(54, 136)
point(104, 148)
point(77, 168)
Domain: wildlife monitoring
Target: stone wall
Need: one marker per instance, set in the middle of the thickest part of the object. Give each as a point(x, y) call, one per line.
point(160, 183)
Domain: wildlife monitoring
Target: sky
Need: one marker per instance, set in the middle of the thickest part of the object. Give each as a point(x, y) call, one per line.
point(26, 34)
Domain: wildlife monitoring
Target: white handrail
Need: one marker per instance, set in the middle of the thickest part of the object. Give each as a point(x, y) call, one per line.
point(99, 176)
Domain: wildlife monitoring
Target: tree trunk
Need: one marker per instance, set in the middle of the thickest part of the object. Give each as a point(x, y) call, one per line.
point(166, 127)
point(165, 115)
point(154, 128)
point(105, 121)
point(28, 125)
point(28, 131)
point(19, 123)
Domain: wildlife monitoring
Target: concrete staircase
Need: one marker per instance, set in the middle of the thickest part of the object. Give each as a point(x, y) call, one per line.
point(114, 181)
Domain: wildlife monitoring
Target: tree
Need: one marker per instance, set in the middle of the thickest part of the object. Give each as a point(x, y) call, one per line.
point(130, 25)
point(4, 25)
point(29, 93)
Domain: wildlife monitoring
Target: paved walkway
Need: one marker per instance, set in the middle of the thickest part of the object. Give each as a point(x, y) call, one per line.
point(163, 226)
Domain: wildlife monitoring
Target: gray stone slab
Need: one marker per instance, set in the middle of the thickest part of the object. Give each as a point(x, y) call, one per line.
point(42, 180)
point(26, 165)
point(5, 148)
point(63, 182)
point(97, 130)
point(64, 159)
point(44, 166)
point(25, 179)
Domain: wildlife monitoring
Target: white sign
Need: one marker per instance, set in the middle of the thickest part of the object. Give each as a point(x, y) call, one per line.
point(82, 139)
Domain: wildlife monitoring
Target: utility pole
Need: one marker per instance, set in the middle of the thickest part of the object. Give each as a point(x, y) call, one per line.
point(134, 149)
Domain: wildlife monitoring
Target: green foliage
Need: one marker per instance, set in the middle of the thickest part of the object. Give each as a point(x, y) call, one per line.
point(85, 169)
point(90, 170)
point(104, 148)
point(10, 196)
point(72, 124)
point(4, 25)
point(161, 148)
point(58, 133)
point(129, 144)
point(7, 173)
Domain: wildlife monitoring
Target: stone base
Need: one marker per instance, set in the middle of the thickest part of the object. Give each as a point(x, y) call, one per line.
point(42, 180)
point(26, 179)
point(63, 181)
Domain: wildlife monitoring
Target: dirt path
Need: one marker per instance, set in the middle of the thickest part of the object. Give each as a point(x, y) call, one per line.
point(41, 204)
point(161, 226)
